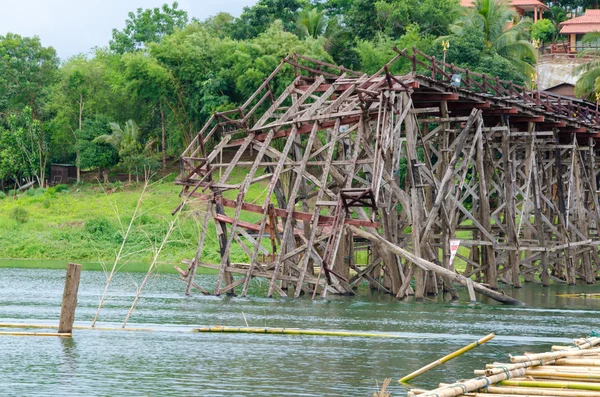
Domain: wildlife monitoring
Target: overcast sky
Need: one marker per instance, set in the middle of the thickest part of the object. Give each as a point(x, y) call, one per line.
point(75, 26)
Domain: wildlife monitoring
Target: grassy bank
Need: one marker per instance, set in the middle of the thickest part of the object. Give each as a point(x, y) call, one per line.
point(86, 223)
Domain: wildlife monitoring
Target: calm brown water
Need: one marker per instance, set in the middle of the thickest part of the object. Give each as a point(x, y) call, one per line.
point(171, 362)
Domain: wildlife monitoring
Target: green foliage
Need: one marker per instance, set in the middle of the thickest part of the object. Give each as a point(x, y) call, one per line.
point(489, 18)
point(256, 19)
point(148, 26)
point(20, 214)
point(27, 69)
point(100, 228)
point(544, 31)
point(2, 195)
point(23, 149)
point(374, 54)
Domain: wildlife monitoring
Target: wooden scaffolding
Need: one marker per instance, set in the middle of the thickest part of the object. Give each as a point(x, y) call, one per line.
point(401, 165)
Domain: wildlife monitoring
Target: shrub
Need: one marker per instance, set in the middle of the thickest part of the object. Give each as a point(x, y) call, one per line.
point(100, 228)
point(20, 215)
point(543, 30)
point(61, 188)
point(2, 195)
point(12, 193)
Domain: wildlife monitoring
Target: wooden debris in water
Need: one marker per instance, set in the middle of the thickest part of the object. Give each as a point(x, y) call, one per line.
point(573, 372)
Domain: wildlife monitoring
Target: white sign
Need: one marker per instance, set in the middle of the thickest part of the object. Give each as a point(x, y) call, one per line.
point(454, 244)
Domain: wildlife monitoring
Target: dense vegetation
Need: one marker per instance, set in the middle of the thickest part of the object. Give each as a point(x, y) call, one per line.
point(134, 104)
point(137, 101)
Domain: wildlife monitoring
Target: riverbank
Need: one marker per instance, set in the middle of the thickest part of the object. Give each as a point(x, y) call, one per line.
point(86, 223)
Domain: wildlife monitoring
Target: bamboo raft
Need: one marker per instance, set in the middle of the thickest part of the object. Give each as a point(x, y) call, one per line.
point(572, 371)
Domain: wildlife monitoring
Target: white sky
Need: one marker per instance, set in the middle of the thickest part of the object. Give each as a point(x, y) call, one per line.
point(76, 26)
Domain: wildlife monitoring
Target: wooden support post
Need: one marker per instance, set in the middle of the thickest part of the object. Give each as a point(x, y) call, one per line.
point(69, 301)
point(510, 211)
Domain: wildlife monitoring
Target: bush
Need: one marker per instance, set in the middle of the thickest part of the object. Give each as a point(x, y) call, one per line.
point(12, 193)
point(543, 30)
point(2, 195)
point(20, 215)
point(100, 228)
point(61, 188)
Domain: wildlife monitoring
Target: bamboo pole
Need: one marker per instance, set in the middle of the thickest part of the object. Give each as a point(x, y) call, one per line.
point(292, 331)
point(552, 384)
point(78, 327)
point(458, 389)
point(61, 334)
point(447, 358)
point(554, 355)
point(529, 392)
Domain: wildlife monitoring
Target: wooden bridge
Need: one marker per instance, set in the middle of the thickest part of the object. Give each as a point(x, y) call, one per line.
point(407, 163)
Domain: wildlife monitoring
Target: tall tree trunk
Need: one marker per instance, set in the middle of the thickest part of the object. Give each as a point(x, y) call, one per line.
point(164, 150)
point(78, 152)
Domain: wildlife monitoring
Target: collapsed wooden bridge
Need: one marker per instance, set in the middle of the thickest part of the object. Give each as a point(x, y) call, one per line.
point(398, 165)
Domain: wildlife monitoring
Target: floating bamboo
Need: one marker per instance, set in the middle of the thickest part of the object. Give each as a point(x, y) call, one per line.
point(572, 372)
point(446, 358)
point(61, 334)
point(292, 331)
point(552, 384)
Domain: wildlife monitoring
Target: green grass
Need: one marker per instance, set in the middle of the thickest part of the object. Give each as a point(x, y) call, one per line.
point(85, 223)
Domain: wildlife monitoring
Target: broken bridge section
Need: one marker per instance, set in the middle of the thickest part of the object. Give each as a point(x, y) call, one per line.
point(370, 177)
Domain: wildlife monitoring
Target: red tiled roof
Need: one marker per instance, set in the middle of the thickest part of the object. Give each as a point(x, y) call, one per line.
point(514, 3)
point(589, 22)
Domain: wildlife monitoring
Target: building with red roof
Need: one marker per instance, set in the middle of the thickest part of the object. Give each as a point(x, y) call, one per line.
point(520, 7)
point(577, 27)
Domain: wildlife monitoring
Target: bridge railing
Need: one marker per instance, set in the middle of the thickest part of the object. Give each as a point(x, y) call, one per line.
point(573, 109)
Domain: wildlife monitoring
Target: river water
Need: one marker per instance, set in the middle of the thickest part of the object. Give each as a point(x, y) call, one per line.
point(174, 362)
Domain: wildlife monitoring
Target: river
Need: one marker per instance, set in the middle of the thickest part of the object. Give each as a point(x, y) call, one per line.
point(173, 362)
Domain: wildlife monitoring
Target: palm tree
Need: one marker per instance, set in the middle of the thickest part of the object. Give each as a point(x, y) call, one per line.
point(494, 19)
point(312, 22)
point(589, 83)
point(126, 141)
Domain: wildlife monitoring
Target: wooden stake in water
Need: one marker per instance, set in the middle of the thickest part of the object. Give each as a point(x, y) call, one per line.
point(446, 358)
point(69, 302)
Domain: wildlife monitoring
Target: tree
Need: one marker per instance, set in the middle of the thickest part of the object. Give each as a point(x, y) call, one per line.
point(544, 31)
point(84, 90)
point(23, 149)
point(588, 85)
point(127, 141)
point(489, 18)
point(311, 22)
point(27, 69)
point(151, 82)
point(148, 26)
point(96, 155)
point(256, 19)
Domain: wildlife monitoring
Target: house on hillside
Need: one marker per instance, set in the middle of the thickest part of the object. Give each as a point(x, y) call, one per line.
point(521, 7)
point(577, 27)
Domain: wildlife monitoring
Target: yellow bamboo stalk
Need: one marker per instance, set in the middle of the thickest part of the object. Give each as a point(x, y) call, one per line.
point(528, 392)
point(36, 334)
point(534, 391)
point(553, 384)
point(446, 358)
point(554, 355)
point(291, 331)
point(588, 362)
point(79, 327)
